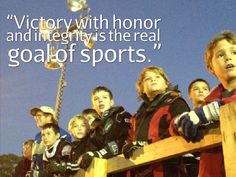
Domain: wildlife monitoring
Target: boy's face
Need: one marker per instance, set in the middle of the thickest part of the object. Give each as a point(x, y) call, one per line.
point(198, 92)
point(41, 118)
point(49, 137)
point(224, 61)
point(101, 101)
point(27, 151)
point(79, 129)
point(153, 84)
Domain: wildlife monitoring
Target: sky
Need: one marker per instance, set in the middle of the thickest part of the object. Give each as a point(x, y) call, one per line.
point(185, 28)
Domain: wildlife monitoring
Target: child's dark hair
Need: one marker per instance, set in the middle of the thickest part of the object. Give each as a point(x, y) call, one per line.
point(91, 111)
point(29, 142)
point(197, 80)
point(53, 126)
point(102, 88)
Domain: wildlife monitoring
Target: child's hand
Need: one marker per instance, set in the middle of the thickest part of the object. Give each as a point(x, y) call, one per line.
point(129, 148)
point(55, 167)
point(189, 131)
point(85, 160)
point(187, 123)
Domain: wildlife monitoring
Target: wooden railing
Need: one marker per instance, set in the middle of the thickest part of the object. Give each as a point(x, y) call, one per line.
point(176, 146)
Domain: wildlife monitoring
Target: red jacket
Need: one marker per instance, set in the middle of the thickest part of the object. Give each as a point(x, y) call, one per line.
point(22, 168)
point(211, 160)
point(152, 123)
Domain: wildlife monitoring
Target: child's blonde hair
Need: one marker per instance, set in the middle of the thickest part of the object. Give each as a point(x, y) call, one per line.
point(74, 119)
point(155, 69)
point(226, 35)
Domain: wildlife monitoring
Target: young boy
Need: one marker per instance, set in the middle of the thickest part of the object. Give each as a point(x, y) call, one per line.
point(57, 151)
point(111, 132)
point(78, 127)
point(24, 165)
point(151, 123)
point(220, 58)
point(92, 116)
point(42, 116)
point(198, 89)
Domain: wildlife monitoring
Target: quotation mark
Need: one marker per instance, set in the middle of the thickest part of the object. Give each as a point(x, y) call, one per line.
point(10, 17)
point(157, 46)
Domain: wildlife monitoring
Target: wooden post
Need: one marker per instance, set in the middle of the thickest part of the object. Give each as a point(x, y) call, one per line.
point(228, 131)
point(98, 168)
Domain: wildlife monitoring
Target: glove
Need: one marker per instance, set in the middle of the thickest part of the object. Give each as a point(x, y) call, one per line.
point(129, 148)
point(189, 131)
point(86, 160)
point(55, 167)
point(110, 150)
point(187, 123)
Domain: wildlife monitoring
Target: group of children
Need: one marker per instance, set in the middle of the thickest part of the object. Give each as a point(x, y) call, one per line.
point(107, 130)
point(99, 132)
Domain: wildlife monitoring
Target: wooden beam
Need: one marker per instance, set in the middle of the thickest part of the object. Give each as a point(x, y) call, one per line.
point(161, 150)
point(228, 129)
point(155, 152)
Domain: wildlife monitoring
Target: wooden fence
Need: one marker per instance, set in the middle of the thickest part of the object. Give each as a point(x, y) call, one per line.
point(176, 146)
